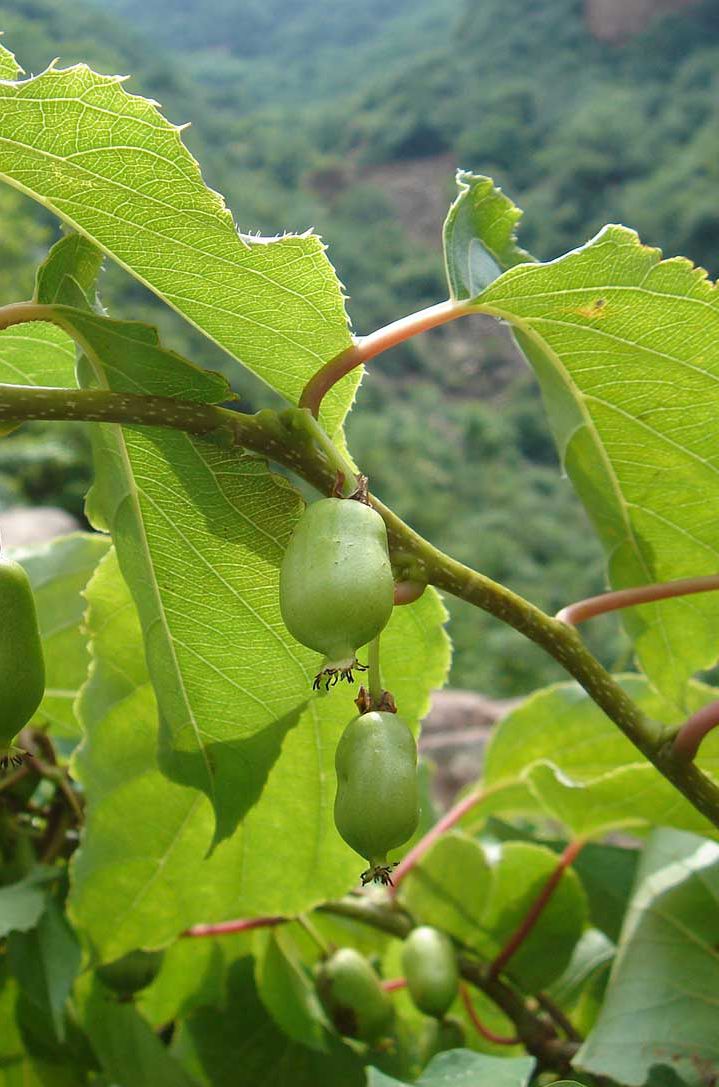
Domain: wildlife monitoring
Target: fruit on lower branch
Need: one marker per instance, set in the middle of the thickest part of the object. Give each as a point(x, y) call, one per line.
point(131, 973)
point(336, 585)
point(430, 967)
point(353, 996)
point(377, 800)
point(22, 667)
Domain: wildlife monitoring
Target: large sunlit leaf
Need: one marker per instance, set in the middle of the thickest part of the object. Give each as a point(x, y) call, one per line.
point(140, 877)
point(626, 347)
point(504, 883)
point(59, 570)
point(200, 531)
point(661, 1003)
point(109, 164)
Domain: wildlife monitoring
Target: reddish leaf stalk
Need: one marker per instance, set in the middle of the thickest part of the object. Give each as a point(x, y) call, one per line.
point(446, 823)
point(243, 924)
point(393, 984)
point(629, 598)
point(695, 728)
point(497, 1039)
point(366, 347)
point(537, 908)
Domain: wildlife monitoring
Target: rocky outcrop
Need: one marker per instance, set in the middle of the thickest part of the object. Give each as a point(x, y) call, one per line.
point(455, 734)
point(21, 526)
point(617, 20)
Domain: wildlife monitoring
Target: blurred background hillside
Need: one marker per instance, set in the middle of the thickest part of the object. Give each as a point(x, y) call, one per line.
point(350, 116)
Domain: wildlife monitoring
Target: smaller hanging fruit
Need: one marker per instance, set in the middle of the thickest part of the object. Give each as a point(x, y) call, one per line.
point(377, 800)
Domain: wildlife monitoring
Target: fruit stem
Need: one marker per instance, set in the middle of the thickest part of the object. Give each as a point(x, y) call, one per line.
point(374, 678)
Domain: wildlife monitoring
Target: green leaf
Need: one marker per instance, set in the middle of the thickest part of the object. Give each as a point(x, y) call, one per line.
point(139, 877)
point(22, 904)
point(462, 1068)
point(626, 348)
point(480, 236)
point(109, 164)
point(240, 1046)
point(45, 961)
point(59, 570)
point(607, 873)
point(287, 990)
point(192, 975)
point(504, 883)
point(200, 532)
point(661, 1002)
point(36, 353)
point(9, 67)
point(126, 1047)
point(591, 957)
point(69, 272)
point(577, 766)
point(628, 797)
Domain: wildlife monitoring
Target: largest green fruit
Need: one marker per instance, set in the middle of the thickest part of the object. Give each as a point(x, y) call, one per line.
point(22, 668)
point(377, 800)
point(336, 584)
point(351, 993)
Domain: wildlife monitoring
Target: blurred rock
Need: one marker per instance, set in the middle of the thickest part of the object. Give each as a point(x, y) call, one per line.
point(617, 20)
point(21, 526)
point(454, 736)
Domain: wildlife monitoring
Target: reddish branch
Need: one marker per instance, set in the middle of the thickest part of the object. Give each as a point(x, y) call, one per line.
point(447, 821)
point(367, 347)
point(393, 984)
point(497, 1039)
point(537, 908)
point(695, 728)
point(640, 594)
point(224, 928)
